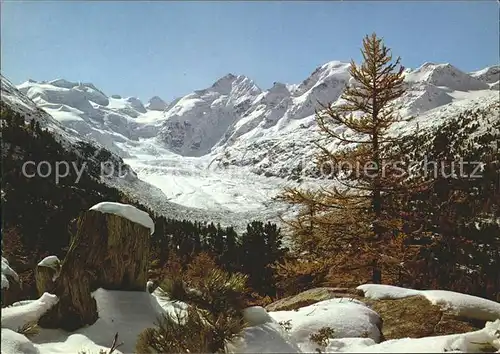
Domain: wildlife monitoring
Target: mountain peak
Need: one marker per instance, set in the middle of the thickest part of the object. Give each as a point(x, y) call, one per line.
point(445, 75)
point(224, 80)
point(225, 84)
point(155, 103)
point(490, 74)
point(136, 104)
point(229, 76)
point(279, 87)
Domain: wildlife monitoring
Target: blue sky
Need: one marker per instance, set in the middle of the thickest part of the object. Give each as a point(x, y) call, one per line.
point(172, 48)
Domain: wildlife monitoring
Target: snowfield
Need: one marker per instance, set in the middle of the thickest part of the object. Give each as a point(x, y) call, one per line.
point(356, 328)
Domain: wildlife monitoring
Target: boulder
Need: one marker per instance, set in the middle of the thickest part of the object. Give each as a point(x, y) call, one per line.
point(312, 296)
point(416, 317)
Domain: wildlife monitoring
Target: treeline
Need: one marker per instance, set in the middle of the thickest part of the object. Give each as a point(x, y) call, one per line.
point(456, 213)
point(38, 213)
point(252, 253)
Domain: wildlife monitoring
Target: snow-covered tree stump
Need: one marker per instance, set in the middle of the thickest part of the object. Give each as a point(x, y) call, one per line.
point(46, 273)
point(110, 250)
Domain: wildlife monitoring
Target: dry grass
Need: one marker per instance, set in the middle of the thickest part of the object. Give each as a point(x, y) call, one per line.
point(29, 329)
point(322, 336)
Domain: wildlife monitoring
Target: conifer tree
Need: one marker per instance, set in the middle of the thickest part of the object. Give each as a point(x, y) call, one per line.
point(261, 247)
point(349, 218)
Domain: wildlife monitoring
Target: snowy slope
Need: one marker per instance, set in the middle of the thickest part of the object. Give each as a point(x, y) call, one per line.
point(197, 121)
point(490, 75)
point(87, 110)
point(22, 104)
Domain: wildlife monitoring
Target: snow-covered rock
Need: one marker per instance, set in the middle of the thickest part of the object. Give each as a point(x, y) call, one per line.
point(471, 342)
point(126, 211)
point(263, 335)
point(88, 112)
point(346, 317)
point(355, 327)
point(268, 337)
point(14, 317)
point(7, 272)
point(136, 104)
point(462, 305)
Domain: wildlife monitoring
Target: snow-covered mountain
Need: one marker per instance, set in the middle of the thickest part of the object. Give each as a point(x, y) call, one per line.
point(490, 75)
point(156, 104)
point(86, 110)
point(276, 134)
point(200, 150)
point(196, 122)
point(161, 197)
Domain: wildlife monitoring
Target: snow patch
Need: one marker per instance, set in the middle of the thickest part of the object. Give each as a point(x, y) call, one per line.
point(126, 211)
point(16, 343)
point(14, 317)
point(263, 335)
point(50, 261)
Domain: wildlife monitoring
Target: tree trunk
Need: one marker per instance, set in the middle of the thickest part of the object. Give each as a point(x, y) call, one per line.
point(44, 277)
point(108, 251)
point(376, 273)
point(12, 294)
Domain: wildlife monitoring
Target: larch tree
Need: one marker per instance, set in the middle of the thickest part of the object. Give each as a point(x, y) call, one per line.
point(348, 219)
